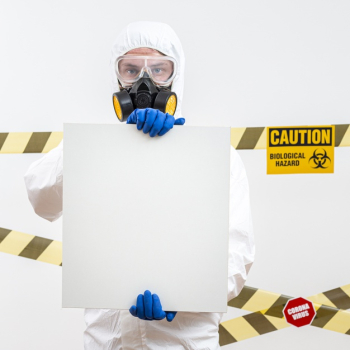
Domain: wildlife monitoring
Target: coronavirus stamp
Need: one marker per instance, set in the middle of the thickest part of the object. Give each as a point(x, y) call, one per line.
point(299, 312)
point(300, 149)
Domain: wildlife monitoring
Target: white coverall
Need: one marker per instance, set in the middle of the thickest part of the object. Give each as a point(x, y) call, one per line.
point(118, 329)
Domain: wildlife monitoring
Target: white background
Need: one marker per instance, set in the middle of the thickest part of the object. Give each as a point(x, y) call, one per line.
point(249, 63)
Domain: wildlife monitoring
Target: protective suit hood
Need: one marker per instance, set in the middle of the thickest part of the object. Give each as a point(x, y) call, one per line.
point(155, 35)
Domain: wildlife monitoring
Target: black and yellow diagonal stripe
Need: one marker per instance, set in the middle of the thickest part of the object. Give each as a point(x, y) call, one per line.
point(29, 246)
point(329, 306)
point(255, 138)
point(29, 142)
point(253, 299)
point(248, 326)
point(241, 138)
point(257, 323)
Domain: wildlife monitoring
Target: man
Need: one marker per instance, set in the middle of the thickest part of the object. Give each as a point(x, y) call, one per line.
point(121, 329)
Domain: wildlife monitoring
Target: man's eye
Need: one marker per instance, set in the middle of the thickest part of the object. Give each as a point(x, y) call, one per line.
point(131, 71)
point(157, 70)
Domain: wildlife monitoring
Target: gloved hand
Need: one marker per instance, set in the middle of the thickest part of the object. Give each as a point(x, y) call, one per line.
point(153, 121)
point(148, 307)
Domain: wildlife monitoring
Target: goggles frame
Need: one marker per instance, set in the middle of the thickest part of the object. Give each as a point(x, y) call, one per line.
point(145, 69)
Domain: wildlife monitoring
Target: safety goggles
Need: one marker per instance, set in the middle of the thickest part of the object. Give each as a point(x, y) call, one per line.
point(161, 70)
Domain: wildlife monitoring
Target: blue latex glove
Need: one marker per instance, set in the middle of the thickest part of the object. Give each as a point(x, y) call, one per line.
point(153, 121)
point(148, 307)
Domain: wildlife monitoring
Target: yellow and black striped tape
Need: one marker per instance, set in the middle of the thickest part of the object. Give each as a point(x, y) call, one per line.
point(241, 138)
point(29, 246)
point(255, 138)
point(29, 142)
point(268, 316)
point(253, 299)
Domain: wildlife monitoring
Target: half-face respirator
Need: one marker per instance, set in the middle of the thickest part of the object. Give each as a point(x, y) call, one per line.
point(145, 83)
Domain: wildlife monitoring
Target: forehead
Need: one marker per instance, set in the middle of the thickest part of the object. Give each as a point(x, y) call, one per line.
point(144, 51)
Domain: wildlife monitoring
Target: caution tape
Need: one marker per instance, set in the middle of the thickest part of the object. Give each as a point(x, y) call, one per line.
point(266, 307)
point(29, 142)
point(268, 315)
point(29, 246)
point(241, 138)
point(255, 138)
point(253, 299)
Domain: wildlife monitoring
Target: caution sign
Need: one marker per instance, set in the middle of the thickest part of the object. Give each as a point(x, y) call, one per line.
point(300, 149)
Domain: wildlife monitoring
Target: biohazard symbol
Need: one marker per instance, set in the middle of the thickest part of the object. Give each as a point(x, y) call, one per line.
point(320, 159)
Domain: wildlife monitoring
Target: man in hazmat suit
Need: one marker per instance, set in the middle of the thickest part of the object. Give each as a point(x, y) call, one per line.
point(121, 329)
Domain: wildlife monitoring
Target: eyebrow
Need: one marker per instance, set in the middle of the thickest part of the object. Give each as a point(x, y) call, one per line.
point(129, 65)
point(159, 64)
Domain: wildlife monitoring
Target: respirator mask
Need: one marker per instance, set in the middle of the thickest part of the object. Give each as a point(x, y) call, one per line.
point(145, 83)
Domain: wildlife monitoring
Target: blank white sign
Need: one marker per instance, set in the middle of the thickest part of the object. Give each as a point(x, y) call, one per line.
point(145, 213)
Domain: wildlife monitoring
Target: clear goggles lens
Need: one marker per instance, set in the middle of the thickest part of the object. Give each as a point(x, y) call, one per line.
point(160, 69)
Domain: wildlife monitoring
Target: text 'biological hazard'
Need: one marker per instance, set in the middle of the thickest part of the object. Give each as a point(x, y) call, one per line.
point(300, 150)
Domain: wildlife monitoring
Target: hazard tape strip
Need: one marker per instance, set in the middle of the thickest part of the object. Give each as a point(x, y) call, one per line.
point(29, 142)
point(253, 299)
point(29, 246)
point(255, 138)
point(329, 308)
point(241, 138)
point(257, 323)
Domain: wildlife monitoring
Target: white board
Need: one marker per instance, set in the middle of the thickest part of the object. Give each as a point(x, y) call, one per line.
point(145, 213)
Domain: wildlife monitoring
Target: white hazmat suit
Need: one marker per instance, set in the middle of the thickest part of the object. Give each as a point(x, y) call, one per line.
point(118, 329)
